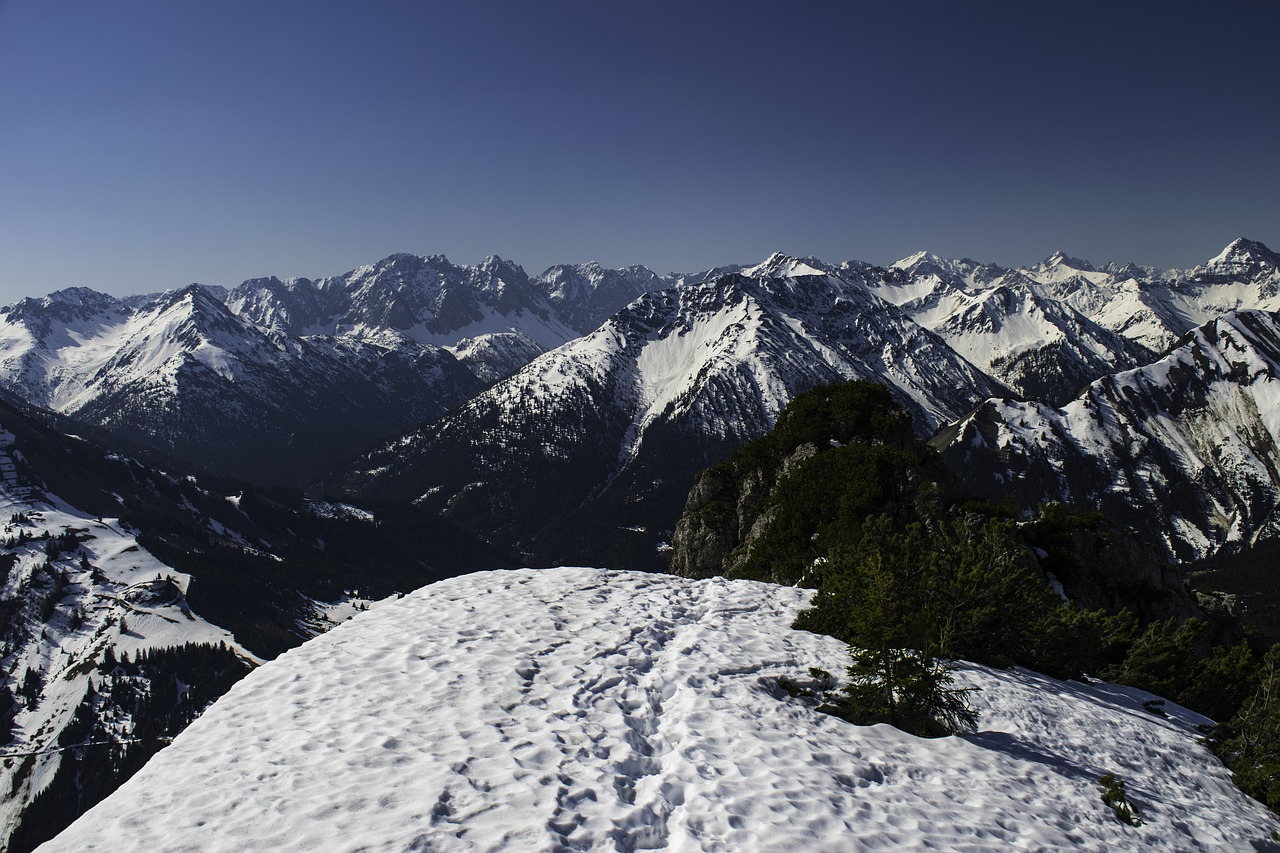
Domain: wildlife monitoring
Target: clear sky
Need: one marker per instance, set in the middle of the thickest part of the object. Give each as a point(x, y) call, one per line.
point(145, 144)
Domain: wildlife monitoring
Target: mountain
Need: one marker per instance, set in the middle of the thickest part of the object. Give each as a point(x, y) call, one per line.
point(315, 370)
point(130, 598)
point(79, 594)
point(611, 427)
point(276, 380)
point(495, 316)
point(840, 457)
point(585, 295)
point(578, 709)
point(1002, 322)
point(186, 378)
point(1157, 307)
point(1051, 328)
point(1186, 449)
point(282, 380)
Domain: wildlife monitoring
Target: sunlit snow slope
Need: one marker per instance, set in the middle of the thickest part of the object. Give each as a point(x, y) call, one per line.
point(1185, 449)
point(581, 709)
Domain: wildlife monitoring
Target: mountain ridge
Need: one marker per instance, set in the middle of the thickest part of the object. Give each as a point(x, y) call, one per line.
point(666, 386)
point(1185, 449)
point(285, 378)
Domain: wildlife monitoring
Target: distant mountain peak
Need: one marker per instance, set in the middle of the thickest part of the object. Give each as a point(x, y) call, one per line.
point(496, 262)
point(1244, 253)
point(916, 259)
point(1060, 258)
point(782, 265)
point(78, 296)
point(197, 294)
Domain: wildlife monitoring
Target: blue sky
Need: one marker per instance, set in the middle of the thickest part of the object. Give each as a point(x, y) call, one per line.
point(145, 144)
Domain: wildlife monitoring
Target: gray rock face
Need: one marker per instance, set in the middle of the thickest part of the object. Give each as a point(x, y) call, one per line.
point(725, 515)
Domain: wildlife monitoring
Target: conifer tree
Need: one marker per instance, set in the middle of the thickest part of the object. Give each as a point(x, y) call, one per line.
point(1249, 744)
point(887, 588)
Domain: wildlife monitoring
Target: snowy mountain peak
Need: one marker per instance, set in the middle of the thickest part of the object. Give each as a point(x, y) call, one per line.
point(1062, 259)
point(1245, 256)
point(80, 296)
point(779, 265)
point(924, 264)
point(585, 295)
point(70, 306)
point(914, 260)
point(496, 263)
point(194, 294)
point(410, 259)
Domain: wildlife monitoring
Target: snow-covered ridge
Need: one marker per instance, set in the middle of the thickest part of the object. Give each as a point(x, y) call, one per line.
point(666, 386)
point(397, 343)
point(427, 299)
point(1184, 449)
point(576, 709)
point(185, 376)
point(1024, 325)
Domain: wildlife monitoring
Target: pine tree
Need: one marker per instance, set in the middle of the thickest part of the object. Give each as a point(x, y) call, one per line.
point(886, 589)
point(1249, 743)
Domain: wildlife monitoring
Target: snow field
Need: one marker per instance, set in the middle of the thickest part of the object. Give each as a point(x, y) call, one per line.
point(583, 709)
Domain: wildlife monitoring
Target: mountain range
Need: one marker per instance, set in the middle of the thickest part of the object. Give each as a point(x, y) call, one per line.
point(615, 424)
point(1184, 449)
point(463, 387)
point(445, 418)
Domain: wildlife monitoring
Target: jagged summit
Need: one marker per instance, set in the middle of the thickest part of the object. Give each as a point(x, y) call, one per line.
point(195, 294)
point(1060, 258)
point(1246, 255)
point(585, 295)
point(77, 296)
point(965, 273)
point(69, 305)
point(781, 265)
point(405, 259)
point(917, 259)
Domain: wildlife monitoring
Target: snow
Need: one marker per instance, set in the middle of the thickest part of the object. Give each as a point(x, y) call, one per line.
point(584, 709)
point(124, 568)
point(327, 509)
point(544, 333)
point(670, 365)
point(322, 616)
point(779, 265)
point(1203, 420)
point(125, 602)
